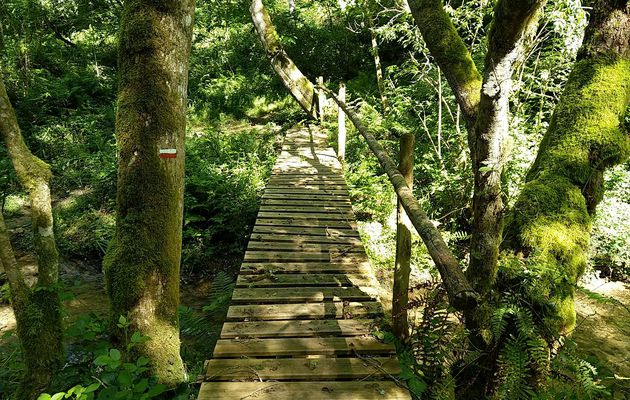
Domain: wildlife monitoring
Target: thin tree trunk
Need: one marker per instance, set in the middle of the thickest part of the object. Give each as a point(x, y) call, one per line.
point(298, 85)
point(341, 123)
point(38, 311)
point(402, 268)
point(515, 21)
point(143, 260)
point(551, 219)
point(380, 80)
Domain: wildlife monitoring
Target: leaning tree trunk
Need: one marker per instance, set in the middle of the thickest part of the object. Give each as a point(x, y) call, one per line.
point(37, 310)
point(143, 260)
point(551, 219)
point(298, 85)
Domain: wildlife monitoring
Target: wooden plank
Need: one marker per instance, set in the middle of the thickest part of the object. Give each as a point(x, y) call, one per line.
point(305, 222)
point(302, 328)
point(313, 192)
point(267, 204)
point(295, 256)
point(302, 268)
point(307, 207)
point(300, 239)
point(304, 294)
point(308, 247)
point(274, 312)
point(244, 369)
point(309, 187)
point(297, 280)
point(363, 390)
point(337, 215)
point(306, 196)
point(309, 180)
point(330, 232)
point(284, 347)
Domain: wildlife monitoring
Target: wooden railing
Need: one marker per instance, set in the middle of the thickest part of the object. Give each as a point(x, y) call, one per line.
point(461, 294)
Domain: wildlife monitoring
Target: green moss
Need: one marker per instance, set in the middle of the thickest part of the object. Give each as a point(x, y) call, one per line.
point(143, 260)
point(551, 221)
point(448, 49)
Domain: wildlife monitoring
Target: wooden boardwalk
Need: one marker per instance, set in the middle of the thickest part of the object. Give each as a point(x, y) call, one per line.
point(302, 315)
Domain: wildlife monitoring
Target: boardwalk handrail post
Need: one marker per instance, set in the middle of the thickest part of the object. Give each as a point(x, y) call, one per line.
point(460, 292)
point(400, 291)
point(321, 98)
point(341, 122)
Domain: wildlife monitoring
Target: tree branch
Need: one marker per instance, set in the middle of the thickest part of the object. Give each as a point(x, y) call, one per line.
point(450, 53)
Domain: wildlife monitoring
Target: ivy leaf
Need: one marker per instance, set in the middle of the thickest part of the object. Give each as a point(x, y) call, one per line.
point(102, 360)
point(114, 354)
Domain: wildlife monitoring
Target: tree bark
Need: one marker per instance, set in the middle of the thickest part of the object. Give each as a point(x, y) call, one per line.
point(38, 311)
point(515, 21)
point(460, 293)
point(402, 269)
point(298, 85)
point(551, 220)
point(143, 260)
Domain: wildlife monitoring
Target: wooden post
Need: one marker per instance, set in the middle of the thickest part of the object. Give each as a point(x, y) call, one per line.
point(341, 122)
point(403, 246)
point(322, 99)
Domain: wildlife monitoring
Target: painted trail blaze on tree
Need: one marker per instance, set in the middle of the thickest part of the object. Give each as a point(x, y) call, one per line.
point(143, 260)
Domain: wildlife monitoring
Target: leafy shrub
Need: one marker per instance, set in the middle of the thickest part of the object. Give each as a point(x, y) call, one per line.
point(226, 171)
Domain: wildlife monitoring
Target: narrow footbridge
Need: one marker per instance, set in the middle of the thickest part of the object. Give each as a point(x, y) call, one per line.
point(303, 312)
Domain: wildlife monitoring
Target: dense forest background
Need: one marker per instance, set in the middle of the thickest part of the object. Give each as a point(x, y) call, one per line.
point(59, 63)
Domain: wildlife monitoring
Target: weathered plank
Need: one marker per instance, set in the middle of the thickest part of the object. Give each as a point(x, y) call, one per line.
point(308, 247)
point(306, 223)
point(334, 256)
point(298, 280)
point(306, 207)
point(245, 369)
point(300, 347)
point(300, 239)
point(302, 328)
point(302, 268)
point(337, 215)
point(364, 390)
point(304, 295)
point(274, 312)
point(326, 231)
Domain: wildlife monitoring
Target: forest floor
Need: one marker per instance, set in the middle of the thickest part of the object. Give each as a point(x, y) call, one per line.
point(603, 307)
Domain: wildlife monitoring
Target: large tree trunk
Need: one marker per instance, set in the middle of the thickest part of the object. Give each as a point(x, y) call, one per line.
point(298, 85)
point(551, 220)
point(143, 260)
point(38, 310)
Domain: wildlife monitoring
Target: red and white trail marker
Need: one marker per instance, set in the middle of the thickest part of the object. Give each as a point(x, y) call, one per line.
point(168, 153)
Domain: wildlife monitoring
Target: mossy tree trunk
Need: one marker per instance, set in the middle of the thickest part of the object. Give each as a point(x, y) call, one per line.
point(143, 260)
point(38, 309)
point(298, 85)
point(551, 220)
